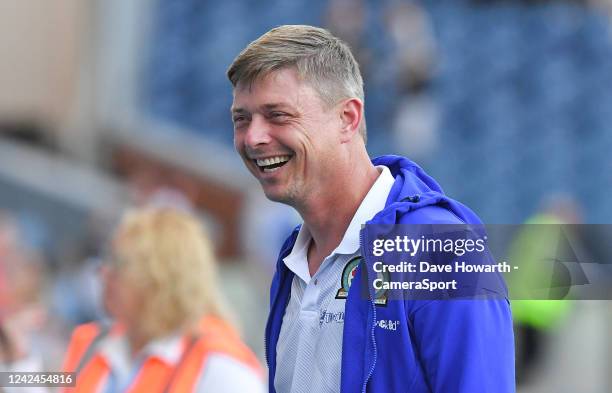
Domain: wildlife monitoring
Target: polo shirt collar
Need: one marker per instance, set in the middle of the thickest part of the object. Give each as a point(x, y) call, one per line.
point(374, 201)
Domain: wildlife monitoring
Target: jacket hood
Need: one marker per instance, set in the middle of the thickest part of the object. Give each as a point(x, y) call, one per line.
point(414, 189)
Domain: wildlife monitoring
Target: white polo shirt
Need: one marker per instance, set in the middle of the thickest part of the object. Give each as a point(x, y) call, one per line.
point(309, 349)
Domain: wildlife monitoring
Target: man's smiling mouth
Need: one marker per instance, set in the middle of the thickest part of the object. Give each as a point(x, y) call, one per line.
point(271, 164)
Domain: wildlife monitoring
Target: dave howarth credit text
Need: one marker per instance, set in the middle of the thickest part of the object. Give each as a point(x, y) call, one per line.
point(426, 267)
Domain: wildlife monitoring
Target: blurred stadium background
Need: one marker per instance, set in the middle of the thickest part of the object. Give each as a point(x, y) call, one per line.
point(107, 104)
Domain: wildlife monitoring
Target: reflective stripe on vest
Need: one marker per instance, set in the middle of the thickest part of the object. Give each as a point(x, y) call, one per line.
point(155, 375)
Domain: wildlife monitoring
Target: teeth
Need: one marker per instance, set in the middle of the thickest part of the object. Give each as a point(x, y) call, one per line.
point(271, 169)
point(272, 160)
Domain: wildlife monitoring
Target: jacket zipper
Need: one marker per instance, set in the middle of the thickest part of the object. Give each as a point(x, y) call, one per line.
point(266, 349)
point(372, 302)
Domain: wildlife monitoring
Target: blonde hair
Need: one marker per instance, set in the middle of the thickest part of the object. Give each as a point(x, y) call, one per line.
point(168, 259)
point(321, 59)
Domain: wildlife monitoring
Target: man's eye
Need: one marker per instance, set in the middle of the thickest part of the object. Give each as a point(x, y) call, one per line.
point(278, 115)
point(238, 119)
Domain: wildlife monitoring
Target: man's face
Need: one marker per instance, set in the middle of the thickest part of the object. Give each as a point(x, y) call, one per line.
point(285, 134)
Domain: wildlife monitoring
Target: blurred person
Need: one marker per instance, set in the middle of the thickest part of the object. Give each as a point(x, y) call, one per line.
point(300, 130)
point(76, 289)
point(414, 45)
point(170, 330)
point(535, 319)
point(22, 315)
point(412, 60)
point(347, 19)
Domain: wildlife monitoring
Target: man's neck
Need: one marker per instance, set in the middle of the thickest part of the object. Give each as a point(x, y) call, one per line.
point(328, 216)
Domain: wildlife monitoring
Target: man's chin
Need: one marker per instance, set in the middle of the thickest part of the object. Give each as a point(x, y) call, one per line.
point(276, 195)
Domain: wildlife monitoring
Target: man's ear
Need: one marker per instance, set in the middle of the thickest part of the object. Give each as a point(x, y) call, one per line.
point(351, 113)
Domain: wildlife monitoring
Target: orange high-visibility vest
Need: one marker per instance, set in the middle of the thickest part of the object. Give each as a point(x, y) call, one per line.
point(216, 337)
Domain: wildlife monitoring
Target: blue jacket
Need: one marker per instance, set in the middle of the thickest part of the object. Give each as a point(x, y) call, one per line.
point(462, 346)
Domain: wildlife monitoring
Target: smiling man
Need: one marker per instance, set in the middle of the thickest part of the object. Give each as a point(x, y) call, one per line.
point(299, 126)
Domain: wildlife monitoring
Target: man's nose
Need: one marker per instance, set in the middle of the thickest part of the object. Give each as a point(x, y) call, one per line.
point(258, 132)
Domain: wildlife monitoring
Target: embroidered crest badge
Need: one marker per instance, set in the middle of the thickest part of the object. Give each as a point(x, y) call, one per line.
point(348, 274)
